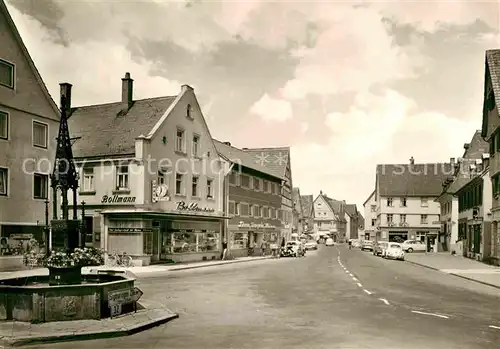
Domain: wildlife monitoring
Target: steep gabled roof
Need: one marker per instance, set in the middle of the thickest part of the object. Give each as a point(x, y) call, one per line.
point(31, 64)
point(238, 156)
point(275, 159)
point(424, 180)
point(369, 197)
point(491, 73)
point(361, 221)
point(105, 131)
point(351, 210)
point(307, 205)
point(338, 207)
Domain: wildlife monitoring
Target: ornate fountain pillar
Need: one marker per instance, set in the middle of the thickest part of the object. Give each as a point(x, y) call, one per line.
point(65, 232)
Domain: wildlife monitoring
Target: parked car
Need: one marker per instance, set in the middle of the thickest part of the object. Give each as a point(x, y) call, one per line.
point(395, 251)
point(311, 245)
point(379, 248)
point(356, 243)
point(367, 245)
point(329, 242)
point(413, 245)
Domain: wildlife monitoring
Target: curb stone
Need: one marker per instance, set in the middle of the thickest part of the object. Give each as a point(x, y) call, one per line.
point(219, 263)
point(13, 341)
point(454, 274)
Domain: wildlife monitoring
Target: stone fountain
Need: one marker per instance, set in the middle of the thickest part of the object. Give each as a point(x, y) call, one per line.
point(65, 293)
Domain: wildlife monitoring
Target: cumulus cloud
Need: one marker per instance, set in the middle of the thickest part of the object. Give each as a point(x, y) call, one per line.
point(95, 68)
point(382, 128)
point(271, 109)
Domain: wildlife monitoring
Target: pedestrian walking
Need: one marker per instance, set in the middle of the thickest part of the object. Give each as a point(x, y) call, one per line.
point(350, 244)
point(224, 250)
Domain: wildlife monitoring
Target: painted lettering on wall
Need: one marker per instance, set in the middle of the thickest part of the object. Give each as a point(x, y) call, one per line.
point(193, 206)
point(115, 199)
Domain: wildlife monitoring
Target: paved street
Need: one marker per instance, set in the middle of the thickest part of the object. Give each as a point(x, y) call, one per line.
point(321, 301)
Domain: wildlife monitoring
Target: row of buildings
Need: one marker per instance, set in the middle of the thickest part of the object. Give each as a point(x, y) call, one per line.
point(152, 181)
point(452, 206)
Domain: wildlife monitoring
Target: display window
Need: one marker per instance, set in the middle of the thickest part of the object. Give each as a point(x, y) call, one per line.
point(185, 241)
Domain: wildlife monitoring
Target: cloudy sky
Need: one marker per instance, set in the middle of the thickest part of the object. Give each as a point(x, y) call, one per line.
point(345, 84)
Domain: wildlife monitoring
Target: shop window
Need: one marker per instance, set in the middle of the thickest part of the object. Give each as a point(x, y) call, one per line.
point(88, 179)
point(210, 189)
point(40, 134)
point(185, 241)
point(7, 73)
point(239, 240)
point(40, 186)
point(4, 125)
point(147, 241)
point(16, 239)
point(122, 180)
point(4, 179)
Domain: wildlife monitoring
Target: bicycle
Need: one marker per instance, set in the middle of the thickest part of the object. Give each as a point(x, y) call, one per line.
point(120, 260)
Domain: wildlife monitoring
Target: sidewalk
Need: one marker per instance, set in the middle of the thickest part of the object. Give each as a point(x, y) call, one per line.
point(150, 269)
point(458, 266)
point(15, 333)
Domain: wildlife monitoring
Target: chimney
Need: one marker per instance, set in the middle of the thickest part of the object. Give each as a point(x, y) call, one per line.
point(186, 88)
point(412, 161)
point(127, 92)
point(66, 98)
point(227, 143)
point(466, 146)
point(321, 192)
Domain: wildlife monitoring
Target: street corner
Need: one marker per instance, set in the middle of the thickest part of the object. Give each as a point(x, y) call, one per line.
point(66, 331)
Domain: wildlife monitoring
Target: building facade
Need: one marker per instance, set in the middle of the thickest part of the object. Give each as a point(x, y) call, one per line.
point(329, 218)
point(370, 219)
point(307, 204)
point(254, 203)
point(405, 196)
point(352, 221)
point(298, 219)
point(150, 177)
point(474, 216)
point(474, 154)
point(490, 131)
point(278, 160)
point(29, 121)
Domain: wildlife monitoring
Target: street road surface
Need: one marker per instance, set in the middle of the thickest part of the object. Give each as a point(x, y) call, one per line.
point(332, 298)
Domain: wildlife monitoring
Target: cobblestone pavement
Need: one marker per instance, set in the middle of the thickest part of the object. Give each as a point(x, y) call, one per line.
point(332, 298)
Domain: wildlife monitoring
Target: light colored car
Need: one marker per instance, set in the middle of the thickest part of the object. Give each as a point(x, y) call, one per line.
point(367, 245)
point(329, 242)
point(413, 246)
point(311, 245)
point(356, 243)
point(394, 251)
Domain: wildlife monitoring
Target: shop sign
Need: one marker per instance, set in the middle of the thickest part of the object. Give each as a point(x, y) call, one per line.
point(255, 225)
point(193, 206)
point(130, 230)
point(21, 236)
point(116, 199)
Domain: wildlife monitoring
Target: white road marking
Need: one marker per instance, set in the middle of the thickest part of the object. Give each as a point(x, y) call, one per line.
point(385, 301)
point(495, 327)
point(431, 314)
point(354, 279)
point(360, 285)
point(366, 291)
point(347, 271)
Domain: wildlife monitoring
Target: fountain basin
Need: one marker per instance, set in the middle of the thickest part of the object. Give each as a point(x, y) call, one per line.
point(32, 299)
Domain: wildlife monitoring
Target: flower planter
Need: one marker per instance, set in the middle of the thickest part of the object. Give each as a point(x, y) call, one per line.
point(65, 275)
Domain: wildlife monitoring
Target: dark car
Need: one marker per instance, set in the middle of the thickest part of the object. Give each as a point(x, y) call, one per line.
point(379, 248)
